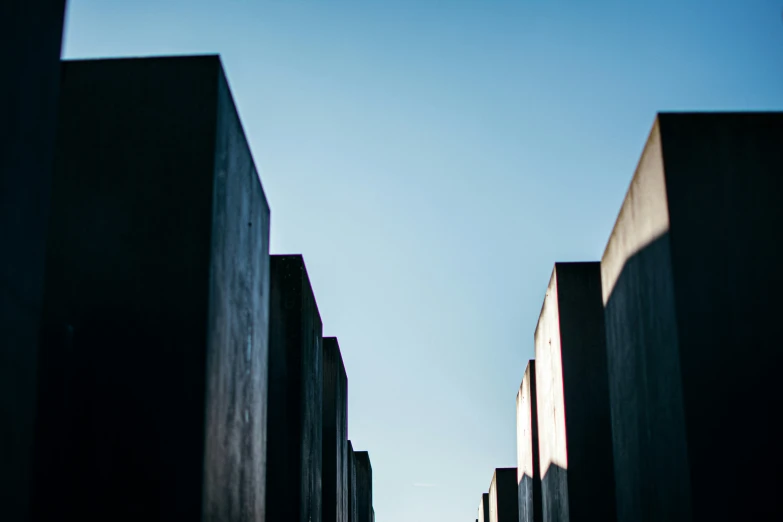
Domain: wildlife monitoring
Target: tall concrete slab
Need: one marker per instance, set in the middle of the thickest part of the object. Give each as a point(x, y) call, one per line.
point(295, 443)
point(31, 33)
point(154, 347)
point(483, 509)
point(572, 397)
point(692, 302)
point(503, 496)
point(528, 466)
point(363, 486)
point(335, 434)
point(353, 506)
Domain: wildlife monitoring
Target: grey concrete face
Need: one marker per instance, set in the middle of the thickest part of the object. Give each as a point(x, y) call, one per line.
point(574, 426)
point(528, 466)
point(353, 506)
point(363, 486)
point(692, 304)
point(335, 434)
point(31, 31)
point(503, 492)
point(154, 348)
point(295, 430)
point(483, 509)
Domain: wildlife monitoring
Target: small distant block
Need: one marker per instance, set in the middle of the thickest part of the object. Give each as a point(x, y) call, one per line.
point(503, 496)
point(528, 466)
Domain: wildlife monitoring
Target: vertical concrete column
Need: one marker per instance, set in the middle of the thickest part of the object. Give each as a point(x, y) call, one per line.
point(690, 284)
point(363, 486)
point(335, 434)
point(503, 496)
point(574, 428)
point(31, 33)
point(153, 358)
point(483, 509)
point(295, 446)
point(353, 506)
point(528, 470)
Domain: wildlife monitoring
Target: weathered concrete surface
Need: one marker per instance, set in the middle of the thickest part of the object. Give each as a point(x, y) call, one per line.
point(363, 486)
point(483, 509)
point(528, 466)
point(31, 34)
point(335, 434)
point(574, 425)
point(687, 290)
point(154, 353)
point(353, 506)
point(295, 432)
point(503, 494)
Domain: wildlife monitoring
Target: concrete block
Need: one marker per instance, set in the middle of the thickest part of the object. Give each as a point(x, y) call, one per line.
point(335, 434)
point(31, 32)
point(483, 509)
point(353, 506)
point(528, 466)
point(154, 349)
point(363, 486)
point(503, 496)
point(295, 431)
point(574, 428)
point(692, 304)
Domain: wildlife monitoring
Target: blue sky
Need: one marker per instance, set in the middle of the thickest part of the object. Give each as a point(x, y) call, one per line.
point(432, 160)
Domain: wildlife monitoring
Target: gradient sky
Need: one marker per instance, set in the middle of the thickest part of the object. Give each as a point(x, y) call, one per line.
point(432, 160)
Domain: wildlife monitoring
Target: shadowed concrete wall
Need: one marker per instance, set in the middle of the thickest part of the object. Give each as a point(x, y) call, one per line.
point(295, 443)
point(503, 496)
point(483, 509)
point(335, 434)
point(353, 507)
point(689, 291)
point(154, 352)
point(574, 425)
point(363, 486)
point(31, 34)
point(528, 470)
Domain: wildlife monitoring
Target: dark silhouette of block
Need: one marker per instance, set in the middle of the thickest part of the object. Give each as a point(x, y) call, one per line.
point(692, 305)
point(574, 428)
point(295, 431)
point(363, 486)
point(335, 434)
point(483, 509)
point(353, 506)
point(31, 34)
point(154, 350)
point(503, 496)
point(528, 470)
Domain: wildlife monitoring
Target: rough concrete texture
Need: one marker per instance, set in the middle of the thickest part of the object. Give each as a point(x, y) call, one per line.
point(31, 32)
point(483, 509)
point(574, 426)
point(503, 493)
point(528, 466)
point(154, 351)
point(335, 434)
point(353, 506)
point(295, 431)
point(363, 486)
point(688, 287)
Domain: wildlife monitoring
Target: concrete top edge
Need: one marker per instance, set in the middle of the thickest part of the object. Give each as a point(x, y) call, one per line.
point(696, 114)
point(172, 57)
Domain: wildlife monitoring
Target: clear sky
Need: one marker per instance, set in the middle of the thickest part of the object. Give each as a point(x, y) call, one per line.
point(432, 159)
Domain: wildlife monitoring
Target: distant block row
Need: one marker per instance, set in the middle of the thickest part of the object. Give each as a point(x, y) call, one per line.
point(182, 371)
point(654, 384)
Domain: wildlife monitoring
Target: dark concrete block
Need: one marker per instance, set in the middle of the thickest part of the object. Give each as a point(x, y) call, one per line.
point(363, 486)
point(528, 469)
point(353, 506)
point(335, 434)
point(295, 431)
point(31, 34)
point(692, 303)
point(483, 509)
point(154, 349)
point(503, 496)
point(574, 428)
